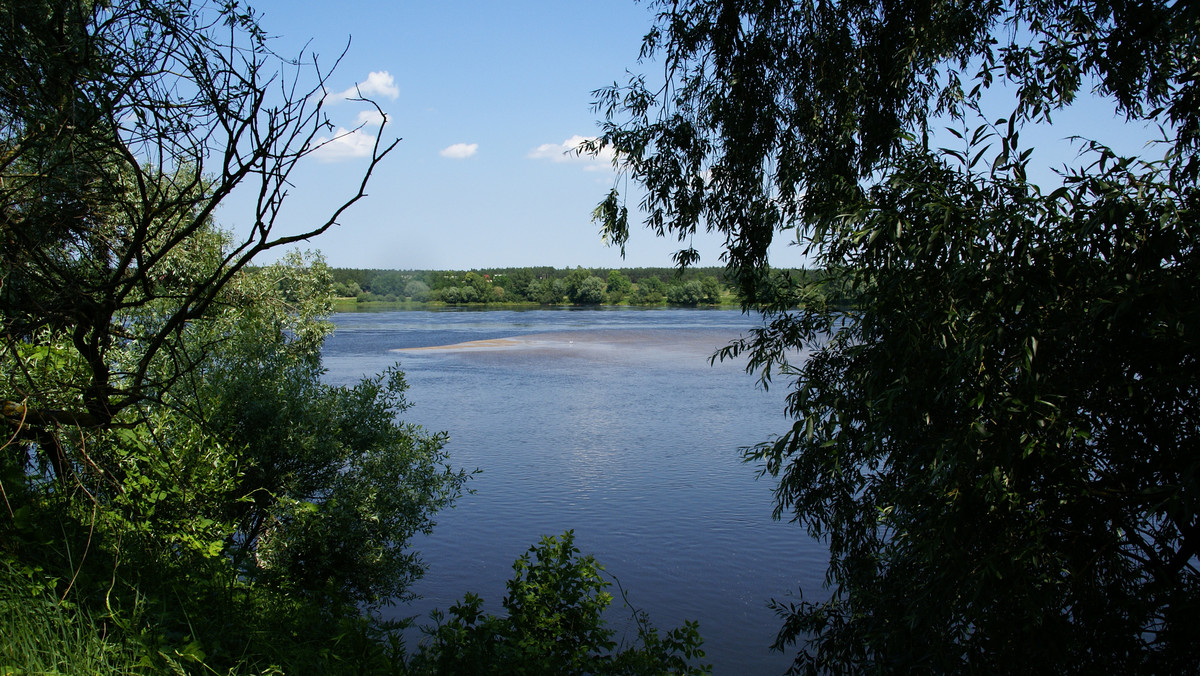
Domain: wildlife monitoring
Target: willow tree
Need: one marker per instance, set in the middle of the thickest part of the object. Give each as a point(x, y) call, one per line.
point(999, 437)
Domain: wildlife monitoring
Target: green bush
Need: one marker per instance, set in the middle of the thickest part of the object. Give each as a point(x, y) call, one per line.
point(554, 625)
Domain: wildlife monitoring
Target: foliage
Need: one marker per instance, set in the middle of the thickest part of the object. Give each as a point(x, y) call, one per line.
point(123, 126)
point(554, 625)
point(649, 291)
point(41, 636)
point(417, 291)
point(332, 486)
point(589, 292)
point(710, 290)
point(618, 282)
point(253, 486)
point(617, 286)
point(174, 473)
point(547, 291)
point(541, 285)
point(392, 283)
point(999, 440)
point(181, 491)
point(453, 295)
point(688, 293)
point(347, 290)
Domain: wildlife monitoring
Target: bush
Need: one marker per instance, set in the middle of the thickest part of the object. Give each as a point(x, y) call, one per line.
point(554, 625)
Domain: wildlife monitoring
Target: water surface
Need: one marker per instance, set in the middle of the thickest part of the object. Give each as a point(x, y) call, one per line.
point(611, 423)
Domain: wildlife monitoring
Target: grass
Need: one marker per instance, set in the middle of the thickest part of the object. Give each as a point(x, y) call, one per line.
point(44, 638)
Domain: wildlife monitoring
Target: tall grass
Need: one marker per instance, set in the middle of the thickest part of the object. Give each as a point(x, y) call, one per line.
point(41, 637)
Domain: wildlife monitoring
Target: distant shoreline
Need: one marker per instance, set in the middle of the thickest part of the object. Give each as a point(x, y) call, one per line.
point(353, 305)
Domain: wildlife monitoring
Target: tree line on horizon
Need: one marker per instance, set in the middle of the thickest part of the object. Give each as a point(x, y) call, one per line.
point(545, 285)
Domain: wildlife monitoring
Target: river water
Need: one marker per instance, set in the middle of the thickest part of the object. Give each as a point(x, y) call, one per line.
point(610, 422)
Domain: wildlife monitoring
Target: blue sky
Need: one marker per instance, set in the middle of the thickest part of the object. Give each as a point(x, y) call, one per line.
point(486, 97)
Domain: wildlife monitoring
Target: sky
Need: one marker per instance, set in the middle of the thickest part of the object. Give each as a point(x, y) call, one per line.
point(487, 98)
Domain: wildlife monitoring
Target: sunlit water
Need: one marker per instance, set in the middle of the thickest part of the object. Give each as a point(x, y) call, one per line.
point(611, 423)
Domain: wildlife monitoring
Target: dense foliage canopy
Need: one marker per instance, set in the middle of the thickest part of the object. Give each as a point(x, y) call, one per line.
point(1000, 440)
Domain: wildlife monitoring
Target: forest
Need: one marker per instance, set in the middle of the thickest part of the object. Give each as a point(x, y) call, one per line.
point(687, 287)
point(537, 285)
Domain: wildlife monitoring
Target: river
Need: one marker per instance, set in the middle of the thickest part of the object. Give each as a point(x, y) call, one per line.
point(610, 422)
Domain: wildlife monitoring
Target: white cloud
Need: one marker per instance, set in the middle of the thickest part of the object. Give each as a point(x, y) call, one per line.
point(567, 152)
point(345, 145)
point(355, 142)
point(459, 151)
point(370, 118)
point(379, 84)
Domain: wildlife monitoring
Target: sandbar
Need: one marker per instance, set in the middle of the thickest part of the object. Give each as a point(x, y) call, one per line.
point(702, 341)
point(491, 343)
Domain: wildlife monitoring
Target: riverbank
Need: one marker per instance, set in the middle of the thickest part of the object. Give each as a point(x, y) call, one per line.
point(351, 304)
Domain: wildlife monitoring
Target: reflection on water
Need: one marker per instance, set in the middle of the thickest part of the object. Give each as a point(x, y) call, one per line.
point(611, 423)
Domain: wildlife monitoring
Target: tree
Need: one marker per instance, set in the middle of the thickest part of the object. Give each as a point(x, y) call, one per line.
point(279, 503)
point(712, 290)
point(349, 289)
point(451, 295)
point(998, 439)
point(589, 292)
point(171, 458)
point(686, 293)
point(468, 294)
point(417, 291)
point(555, 624)
point(546, 291)
point(123, 126)
point(618, 286)
point(390, 283)
point(649, 291)
point(333, 486)
point(574, 282)
point(516, 281)
point(480, 285)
